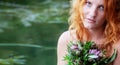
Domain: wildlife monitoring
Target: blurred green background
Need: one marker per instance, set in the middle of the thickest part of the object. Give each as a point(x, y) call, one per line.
point(29, 30)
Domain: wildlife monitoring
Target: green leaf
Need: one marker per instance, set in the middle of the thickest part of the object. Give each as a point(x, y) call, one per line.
point(95, 64)
point(87, 45)
point(113, 56)
point(79, 45)
point(93, 56)
point(109, 60)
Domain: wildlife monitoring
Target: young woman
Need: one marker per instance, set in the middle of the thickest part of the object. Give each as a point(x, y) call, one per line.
point(93, 20)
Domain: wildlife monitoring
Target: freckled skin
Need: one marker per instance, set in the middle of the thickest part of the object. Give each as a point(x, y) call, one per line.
point(93, 20)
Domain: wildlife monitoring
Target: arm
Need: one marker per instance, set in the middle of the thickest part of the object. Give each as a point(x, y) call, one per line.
point(62, 47)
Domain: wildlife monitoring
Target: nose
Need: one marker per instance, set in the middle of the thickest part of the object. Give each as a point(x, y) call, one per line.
point(93, 12)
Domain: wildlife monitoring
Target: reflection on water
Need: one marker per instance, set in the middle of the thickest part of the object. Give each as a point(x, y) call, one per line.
point(37, 43)
point(34, 54)
point(50, 11)
point(31, 28)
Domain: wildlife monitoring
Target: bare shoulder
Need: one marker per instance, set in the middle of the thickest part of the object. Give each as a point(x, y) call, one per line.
point(65, 37)
point(117, 47)
point(63, 40)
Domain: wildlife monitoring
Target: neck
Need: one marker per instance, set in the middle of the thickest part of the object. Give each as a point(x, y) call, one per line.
point(96, 35)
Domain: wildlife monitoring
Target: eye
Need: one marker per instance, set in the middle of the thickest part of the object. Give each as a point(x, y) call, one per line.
point(101, 7)
point(88, 3)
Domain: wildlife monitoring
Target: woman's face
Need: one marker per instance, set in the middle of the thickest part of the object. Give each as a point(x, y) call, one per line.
point(93, 14)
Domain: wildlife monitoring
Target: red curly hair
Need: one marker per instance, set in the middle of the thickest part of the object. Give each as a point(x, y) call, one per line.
point(112, 27)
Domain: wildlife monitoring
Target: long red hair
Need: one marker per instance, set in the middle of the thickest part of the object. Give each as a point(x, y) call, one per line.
point(112, 27)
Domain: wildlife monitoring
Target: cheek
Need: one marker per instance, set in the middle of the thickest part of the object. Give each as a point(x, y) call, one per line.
point(101, 17)
point(84, 11)
point(101, 20)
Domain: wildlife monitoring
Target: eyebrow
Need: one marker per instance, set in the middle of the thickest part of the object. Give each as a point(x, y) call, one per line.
point(101, 5)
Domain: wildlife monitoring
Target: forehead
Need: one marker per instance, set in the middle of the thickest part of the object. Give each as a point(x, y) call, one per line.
point(99, 2)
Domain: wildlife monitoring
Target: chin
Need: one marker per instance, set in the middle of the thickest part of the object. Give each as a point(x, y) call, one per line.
point(89, 27)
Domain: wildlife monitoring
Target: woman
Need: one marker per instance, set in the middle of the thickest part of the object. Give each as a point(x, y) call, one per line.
point(95, 20)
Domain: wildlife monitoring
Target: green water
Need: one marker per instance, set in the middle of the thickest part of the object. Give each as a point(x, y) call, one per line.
point(38, 43)
point(31, 28)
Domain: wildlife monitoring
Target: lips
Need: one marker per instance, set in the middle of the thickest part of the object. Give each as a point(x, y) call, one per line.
point(90, 20)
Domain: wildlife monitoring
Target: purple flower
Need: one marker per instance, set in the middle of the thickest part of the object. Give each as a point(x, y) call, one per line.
point(74, 47)
point(87, 53)
point(95, 52)
point(75, 50)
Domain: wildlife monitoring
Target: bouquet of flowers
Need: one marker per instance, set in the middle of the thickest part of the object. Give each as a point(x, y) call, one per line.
point(87, 53)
